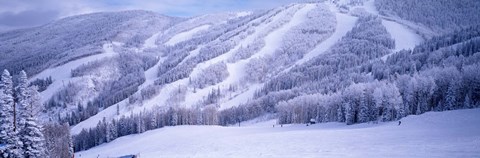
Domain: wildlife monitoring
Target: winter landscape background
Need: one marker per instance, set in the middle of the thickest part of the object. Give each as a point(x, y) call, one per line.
point(335, 78)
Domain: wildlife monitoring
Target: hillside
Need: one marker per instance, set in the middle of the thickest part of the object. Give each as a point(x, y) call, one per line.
point(433, 134)
point(56, 43)
point(109, 75)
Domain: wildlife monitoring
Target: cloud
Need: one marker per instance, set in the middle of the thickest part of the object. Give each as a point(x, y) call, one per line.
point(27, 18)
point(27, 13)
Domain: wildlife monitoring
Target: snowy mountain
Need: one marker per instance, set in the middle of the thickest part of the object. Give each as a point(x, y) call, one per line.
point(59, 42)
point(114, 74)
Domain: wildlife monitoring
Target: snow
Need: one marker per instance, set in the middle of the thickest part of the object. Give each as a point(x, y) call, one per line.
point(404, 37)
point(345, 23)
point(433, 134)
point(61, 75)
point(124, 106)
point(151, 42)
point(151, 73)
point(242, 97)
point(236, 70)
point(186, 35)
point(242, 14)
point(111, 112)
point(370, 7)
point(274, 40)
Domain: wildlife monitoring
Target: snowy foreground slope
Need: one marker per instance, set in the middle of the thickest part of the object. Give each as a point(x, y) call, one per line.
point(433, 134)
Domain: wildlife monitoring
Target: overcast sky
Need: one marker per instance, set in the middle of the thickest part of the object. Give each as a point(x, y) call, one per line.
point(27, 13)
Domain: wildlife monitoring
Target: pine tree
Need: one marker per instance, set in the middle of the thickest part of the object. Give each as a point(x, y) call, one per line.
point(468, 102)
point(340, 113)
point(108, 135)
point(349, 113)
point(30, 132)
point(111, 131)
point(71, 152)
point(22, 97)
point(8, 134)
point(364, 114)
point(35, 101)
point(450, 98)
point(33, 139)
point(6, 127)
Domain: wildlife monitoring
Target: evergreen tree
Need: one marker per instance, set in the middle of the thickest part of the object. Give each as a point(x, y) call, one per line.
point(111, 131)
point(35, 101)
point(450, 98)
point(340, 113)
point(108, 135)
point(37, 140)
point(364, 114)
point(33, 139)
point(349, 113)
point(8, 134)
point(22, 97)
point(468, 102)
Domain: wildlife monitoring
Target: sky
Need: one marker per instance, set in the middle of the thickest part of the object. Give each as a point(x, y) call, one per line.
point(16, 14)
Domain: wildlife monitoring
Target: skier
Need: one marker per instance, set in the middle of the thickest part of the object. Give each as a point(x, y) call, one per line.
point(399, 122)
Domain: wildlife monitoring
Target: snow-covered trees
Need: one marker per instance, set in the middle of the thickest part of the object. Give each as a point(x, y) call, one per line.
point(30, 133)
point(436, 75)
point(33, 139)
point(439, 16)
point(22, 102)
point(8, 129)
point(58, 140)
point(36, 49)
point(114, 79)
point(211, 75)
point(318, 25)
point(347, 84)
point(388, 101)
point(256, 70)
point(42, 84)
point(106, 131)
point(19, 133)
point(451, 97)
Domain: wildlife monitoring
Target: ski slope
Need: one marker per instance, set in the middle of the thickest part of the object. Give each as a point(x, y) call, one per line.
point(151, 42)
point(186, 35)
point(345, 23)
point(123, 106)
point(236, 70)
point(404, 37)
point(61, 75)
point(273, 41)
point(433, 134)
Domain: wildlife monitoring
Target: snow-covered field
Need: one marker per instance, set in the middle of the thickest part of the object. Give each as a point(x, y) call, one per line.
point(433, 134)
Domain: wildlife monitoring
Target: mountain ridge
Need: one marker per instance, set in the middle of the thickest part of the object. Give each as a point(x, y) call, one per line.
point(332, 61)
